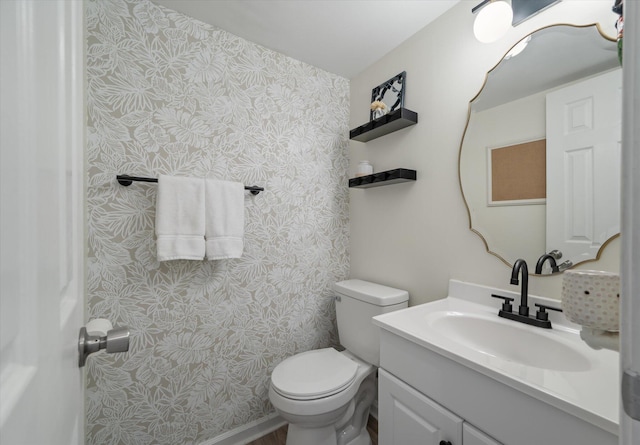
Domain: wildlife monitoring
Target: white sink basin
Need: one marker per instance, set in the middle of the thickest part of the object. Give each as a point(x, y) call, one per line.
point(508, 340)
point(552, 365)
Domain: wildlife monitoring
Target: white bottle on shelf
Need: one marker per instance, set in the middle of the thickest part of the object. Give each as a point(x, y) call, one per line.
point(364, 169)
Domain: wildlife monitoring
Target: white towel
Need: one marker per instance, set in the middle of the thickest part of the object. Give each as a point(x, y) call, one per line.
point(180, 218)
point(224, 208)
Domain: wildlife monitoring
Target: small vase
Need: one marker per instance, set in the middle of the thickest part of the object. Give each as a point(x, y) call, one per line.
point(620, 50)
point(364, 169)
point(379, 113)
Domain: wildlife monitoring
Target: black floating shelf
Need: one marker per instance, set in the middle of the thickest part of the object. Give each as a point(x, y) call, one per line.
point(394, 121)
point(383, 178)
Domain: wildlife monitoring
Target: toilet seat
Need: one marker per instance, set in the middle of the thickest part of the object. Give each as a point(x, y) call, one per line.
point(314, 374)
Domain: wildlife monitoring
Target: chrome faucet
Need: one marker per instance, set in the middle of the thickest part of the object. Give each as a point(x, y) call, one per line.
point(521, 266)
point(541, 319)
point(552, 262)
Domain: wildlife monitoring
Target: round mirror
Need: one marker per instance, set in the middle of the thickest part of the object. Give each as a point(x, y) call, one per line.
point(539, 161)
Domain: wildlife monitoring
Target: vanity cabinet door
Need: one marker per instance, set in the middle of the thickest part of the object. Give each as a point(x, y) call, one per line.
point(473, 436)
point(407, 417)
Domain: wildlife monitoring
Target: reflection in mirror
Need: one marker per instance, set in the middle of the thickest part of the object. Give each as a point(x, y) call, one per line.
point(391, 93)
point(540, 156)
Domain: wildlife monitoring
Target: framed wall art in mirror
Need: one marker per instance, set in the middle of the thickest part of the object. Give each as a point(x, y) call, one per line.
point(516, 174)
point(390, 93)
point(565, 88)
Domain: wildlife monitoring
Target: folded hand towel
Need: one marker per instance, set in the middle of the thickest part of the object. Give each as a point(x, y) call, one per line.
point(180, 218)
point(224, 208)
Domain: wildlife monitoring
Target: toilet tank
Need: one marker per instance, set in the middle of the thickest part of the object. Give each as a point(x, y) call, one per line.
point(357, 302)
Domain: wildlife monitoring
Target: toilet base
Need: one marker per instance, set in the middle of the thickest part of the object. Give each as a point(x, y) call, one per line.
point(362, 439)
point(350, 430)
point(317, 436)
point(322, 436)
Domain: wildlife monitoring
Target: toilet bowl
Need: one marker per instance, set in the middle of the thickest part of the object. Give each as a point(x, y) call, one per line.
point(316, 391)
point(324, 394)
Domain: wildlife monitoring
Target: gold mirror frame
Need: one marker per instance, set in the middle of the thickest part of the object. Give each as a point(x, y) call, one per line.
point(484, 83)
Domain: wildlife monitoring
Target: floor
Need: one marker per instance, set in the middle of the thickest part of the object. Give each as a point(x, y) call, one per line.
point(279, 436)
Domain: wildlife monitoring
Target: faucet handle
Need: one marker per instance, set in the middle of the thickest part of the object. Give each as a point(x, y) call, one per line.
point(506, 305)
point(542, 314)
point(556, 254)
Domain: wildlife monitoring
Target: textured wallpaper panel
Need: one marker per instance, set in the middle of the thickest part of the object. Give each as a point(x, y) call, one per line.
point(168, 94)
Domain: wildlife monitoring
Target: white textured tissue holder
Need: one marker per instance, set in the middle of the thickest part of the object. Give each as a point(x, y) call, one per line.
point(591, 298)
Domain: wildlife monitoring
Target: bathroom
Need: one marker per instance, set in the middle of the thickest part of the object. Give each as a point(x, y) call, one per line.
point(206, 336)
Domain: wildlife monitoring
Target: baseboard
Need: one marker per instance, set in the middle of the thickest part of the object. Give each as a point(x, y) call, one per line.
point(249, 432)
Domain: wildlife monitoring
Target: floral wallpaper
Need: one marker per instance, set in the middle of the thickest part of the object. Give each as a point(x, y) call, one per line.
point(168, 94)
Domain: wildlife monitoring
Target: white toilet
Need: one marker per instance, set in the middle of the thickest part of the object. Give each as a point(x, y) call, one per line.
point(324, 394)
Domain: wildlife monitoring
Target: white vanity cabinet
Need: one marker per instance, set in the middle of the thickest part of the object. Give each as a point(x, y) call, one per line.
point(407, 417)
point(426, 397)
point(473, 436)
point(453, 371)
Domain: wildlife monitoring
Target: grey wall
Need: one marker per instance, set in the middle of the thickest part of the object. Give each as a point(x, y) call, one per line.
point(168, 94)
point(415, 236)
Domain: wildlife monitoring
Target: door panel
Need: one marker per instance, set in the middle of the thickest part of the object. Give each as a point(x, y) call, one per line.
point(583, 166)
point(42, 228)
point(407, 417)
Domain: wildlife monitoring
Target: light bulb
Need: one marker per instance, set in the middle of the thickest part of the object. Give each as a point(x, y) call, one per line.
point(520, 46)
point(493, 21)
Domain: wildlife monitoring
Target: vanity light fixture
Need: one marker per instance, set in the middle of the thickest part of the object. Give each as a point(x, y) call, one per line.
point(518, 48)
point(493, 20)
point(496, 17)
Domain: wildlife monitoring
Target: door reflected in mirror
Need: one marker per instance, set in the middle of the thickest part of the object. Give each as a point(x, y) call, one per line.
point(539, 158)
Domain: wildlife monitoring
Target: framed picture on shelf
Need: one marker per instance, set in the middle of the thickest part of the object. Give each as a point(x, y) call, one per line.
point(388, 96)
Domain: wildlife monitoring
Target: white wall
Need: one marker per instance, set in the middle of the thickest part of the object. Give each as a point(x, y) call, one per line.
point(415, 236)
point(519, 121)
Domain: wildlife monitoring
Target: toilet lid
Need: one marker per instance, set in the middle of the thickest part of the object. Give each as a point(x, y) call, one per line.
point(313, 374)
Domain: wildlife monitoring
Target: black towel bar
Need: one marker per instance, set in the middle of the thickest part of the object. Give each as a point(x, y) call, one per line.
point(127, 180)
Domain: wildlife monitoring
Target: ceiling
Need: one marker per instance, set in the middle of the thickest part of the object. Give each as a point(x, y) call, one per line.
point(340, 36)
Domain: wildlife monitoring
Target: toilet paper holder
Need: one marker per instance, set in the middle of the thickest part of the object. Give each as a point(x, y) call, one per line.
point(100, 334)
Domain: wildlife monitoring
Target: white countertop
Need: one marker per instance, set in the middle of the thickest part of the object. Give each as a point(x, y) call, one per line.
point(589, 390)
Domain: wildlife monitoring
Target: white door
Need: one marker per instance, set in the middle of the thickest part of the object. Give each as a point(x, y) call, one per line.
point(41, 221)
point(583, 166)
point(630, 245)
